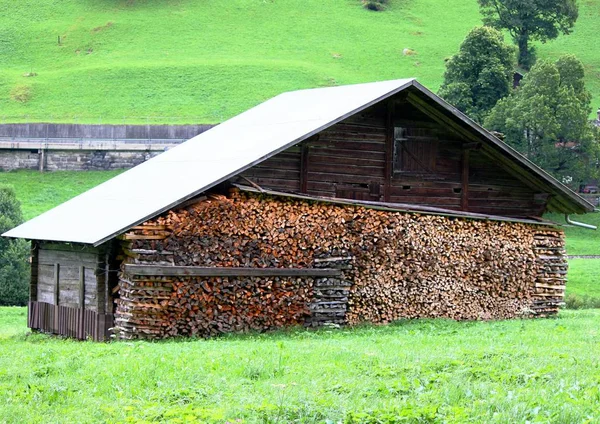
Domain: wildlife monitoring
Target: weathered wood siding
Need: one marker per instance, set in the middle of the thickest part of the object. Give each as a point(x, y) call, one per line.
point(71, 290)
point(64, 263)
point(356, 159)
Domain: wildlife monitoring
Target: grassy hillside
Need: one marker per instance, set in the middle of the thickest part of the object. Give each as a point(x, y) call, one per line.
point(206, 61)
point(427, 371)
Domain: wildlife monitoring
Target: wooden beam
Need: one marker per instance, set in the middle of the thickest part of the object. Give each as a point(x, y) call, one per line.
point(389, 149)
point(464, 193)
point(33, 279)
point(56, 283)
point(304, 167)
point(199, 271)
point(440, 117)
point(82, 286)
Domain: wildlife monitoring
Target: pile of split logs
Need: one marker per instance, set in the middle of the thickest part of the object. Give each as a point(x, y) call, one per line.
point(377, 266)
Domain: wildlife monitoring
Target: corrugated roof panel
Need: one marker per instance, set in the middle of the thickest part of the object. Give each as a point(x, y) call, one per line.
point(203, 161)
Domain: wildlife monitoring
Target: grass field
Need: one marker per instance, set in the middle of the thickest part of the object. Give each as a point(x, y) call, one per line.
point(426, 371)
point(125, 60)
point(39, 192)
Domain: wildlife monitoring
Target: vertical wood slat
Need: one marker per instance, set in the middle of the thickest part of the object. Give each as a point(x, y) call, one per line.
point(304, 167)
point(464, 199)
point(56, 283)
point(82, 286)
point(33, 282)
point(79, 329)
point(389, 149)
point(78, 323)
point(56, 321)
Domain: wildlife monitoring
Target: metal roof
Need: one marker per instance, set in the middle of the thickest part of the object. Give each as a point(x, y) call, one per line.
point(240, 143)
point(201, 162)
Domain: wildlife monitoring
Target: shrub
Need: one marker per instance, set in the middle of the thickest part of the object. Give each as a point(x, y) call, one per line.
point(14, 266)
point(21, 93)
point(376, 5)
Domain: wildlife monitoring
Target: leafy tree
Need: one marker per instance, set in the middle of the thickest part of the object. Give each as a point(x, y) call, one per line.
point(14, 267)
point(480, 73)
point(546, 119)
point(528, 20)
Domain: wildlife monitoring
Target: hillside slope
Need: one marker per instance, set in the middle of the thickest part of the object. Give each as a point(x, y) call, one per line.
point(206, 61)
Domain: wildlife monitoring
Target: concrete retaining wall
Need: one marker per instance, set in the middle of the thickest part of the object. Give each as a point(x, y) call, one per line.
point(55, 147)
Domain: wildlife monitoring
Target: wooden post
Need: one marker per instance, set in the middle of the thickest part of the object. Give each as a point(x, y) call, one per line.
point(56, 283)
point(82, 286)
point(464, 200)
point(56, 297)
point(304, 168)
point(389, 149)
point(33, 279)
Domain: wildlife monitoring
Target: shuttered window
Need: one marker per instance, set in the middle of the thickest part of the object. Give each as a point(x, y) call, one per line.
point(413, 154)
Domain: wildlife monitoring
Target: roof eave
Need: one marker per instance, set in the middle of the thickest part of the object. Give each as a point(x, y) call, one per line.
point(578, 204)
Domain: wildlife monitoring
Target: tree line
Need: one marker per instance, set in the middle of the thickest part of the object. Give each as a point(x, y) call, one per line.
point(546, 116)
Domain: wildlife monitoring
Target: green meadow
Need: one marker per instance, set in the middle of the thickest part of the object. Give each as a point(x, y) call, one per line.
point(184, 61)
point(423, 371)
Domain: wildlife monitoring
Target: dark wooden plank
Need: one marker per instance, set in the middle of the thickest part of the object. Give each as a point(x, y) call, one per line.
point(464, 200)
point(348, 153)
point(56, 283)
point(33, 282)
point(81, 286)
point(343, 178)
point(389, 149)
point(304, 167)
point(49, 257)
point(135, 269)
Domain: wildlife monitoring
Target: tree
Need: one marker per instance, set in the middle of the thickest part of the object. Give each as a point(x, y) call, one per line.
point(479, 74)
point(527, 20)
point(546, 119)
point(14, 267)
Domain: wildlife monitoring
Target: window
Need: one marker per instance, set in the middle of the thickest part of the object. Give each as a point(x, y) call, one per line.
point(412, 153)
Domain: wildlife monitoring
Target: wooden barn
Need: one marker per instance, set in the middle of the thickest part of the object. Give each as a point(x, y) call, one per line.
point(368, 202)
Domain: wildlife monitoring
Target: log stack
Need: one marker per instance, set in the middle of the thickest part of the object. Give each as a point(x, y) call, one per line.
point(391, 265)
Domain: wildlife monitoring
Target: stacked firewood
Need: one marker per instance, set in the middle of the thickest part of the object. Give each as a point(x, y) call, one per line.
point(394, 265)
point(549, 247)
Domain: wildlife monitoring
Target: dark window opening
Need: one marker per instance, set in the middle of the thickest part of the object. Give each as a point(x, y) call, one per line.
point(413, 154)
point(457, 190)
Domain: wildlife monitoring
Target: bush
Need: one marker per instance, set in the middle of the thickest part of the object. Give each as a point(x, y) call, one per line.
point(376, 5)
point(21, 93)
point(14, 266)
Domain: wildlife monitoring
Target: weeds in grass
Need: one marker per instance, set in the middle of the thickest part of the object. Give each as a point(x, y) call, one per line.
point(21, 93)
point(577, 301)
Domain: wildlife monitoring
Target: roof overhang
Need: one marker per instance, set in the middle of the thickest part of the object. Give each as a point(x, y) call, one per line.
point(230, 148)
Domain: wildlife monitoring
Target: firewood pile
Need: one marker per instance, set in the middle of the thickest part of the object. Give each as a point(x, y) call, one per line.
point(549, 247)
point(392, 265)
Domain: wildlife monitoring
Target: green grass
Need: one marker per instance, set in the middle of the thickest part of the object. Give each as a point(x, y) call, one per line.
point(423, 371)
point(39, 192)
point(205, 61)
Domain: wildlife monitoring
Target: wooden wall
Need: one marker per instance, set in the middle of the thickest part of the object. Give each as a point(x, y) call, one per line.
point(355, 159)
point(71, 275)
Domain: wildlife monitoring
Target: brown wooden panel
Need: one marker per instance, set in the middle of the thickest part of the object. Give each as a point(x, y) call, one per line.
point(342, 178)
point(46, 257)
point(319, 158)
point(333, 151)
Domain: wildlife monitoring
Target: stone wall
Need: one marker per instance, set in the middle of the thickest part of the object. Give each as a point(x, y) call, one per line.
point(72, 160)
